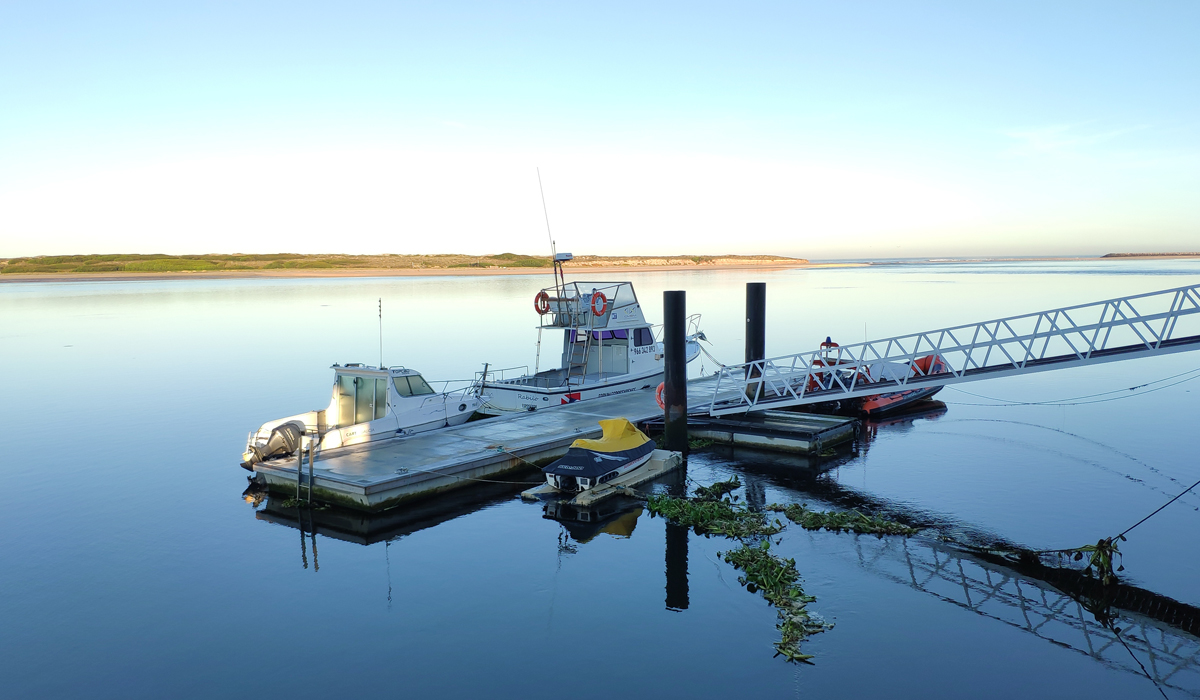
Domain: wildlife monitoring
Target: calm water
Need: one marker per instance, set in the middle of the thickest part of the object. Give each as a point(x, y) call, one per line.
point(132, 566)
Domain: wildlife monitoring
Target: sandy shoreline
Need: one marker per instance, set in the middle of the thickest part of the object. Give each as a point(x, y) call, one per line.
point(575, 271)
point(321, 273)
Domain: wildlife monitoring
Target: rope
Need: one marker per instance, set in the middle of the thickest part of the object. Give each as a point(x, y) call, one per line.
point(1176, 498)
point(709, 356)
point(1131, 527)
point(1076, 401)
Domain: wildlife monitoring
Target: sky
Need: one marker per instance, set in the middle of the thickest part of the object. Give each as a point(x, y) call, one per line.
point(818, 130)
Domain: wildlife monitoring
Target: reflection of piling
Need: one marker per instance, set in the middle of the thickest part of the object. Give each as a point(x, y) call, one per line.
point(756, 332)
point(675, 371)
point(677, 567)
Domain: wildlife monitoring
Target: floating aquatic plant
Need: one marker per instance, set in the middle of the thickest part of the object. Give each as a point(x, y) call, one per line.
point(713, 517)
point(779, 582)
point(718, 490)
point(838, 521)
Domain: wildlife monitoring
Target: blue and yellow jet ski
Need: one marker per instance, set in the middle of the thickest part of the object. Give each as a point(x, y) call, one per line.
point(589, 463)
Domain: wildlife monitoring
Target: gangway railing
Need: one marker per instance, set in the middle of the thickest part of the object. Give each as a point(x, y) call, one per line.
point(1117, 329)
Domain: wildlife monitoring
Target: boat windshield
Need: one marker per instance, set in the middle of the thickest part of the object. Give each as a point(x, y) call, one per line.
point(412, 385)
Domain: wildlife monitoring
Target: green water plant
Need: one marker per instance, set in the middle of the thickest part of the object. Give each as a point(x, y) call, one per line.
point(713, 517)
point(839, 521)
point(779, 582)
point(718, 490)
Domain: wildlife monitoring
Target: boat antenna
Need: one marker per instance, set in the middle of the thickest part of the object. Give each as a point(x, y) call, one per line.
point(555, 269)
point(380, 332)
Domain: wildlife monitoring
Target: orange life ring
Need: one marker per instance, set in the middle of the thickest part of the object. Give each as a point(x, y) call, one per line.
point(599, 296)
point(541, 302)
point(658, 396)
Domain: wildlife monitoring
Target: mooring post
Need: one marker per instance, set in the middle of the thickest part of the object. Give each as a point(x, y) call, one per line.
point(675, 371)
point(756, 332)
point(299, 467)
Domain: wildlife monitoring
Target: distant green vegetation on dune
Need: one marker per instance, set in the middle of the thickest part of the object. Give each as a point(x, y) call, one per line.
point(76, 264)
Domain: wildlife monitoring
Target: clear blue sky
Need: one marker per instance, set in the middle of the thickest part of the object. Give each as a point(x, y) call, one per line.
point(815, 129)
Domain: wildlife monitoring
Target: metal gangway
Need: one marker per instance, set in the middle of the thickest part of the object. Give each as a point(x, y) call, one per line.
point(1142, 325)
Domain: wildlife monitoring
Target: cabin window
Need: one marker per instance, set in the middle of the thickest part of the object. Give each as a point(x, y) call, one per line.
point(364, 400)
point(413, 385)
point(345, 389)
point(642, 337)
point(360, 399)
point(419, 386)
point(381, 392)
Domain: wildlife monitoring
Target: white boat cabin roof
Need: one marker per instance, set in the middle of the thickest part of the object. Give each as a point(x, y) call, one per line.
point(360, 368)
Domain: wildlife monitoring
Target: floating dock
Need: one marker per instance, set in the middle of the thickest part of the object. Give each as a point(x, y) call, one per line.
point(383, 476)
point(378, 477)
point(777, 431)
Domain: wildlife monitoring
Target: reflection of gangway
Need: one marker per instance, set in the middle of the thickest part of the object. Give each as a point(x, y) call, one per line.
point(1136, 326)
point(1170, 655)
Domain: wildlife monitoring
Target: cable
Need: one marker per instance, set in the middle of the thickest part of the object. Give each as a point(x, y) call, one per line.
point(1075, 401)
point(1176, 498)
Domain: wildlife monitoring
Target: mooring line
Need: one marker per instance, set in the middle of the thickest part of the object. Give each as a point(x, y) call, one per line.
point(1176, 498)
point(1075, 401)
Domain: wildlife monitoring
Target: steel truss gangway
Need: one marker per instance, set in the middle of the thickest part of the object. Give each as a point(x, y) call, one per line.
point(1130, 327)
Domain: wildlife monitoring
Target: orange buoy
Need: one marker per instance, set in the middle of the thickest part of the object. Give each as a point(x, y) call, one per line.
point(658, 396)
point(603, 300)
point(541, 302)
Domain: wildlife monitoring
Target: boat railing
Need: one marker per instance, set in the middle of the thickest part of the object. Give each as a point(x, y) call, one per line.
point(574, 304)
point(504, 374)
point(693, 328)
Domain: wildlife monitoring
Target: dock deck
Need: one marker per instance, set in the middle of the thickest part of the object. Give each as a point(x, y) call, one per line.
point(384, 475)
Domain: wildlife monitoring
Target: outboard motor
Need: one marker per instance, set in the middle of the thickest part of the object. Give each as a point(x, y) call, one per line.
point(284, 440)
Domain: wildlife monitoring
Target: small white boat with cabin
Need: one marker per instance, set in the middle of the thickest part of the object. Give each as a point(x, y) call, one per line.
point(608, 348)
point(369, 405)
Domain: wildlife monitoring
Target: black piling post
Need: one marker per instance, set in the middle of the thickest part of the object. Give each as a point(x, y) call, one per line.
point(756, 331)
point(675, 371)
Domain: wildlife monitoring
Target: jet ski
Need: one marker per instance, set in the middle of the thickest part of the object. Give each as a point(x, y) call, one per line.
point(589, 463)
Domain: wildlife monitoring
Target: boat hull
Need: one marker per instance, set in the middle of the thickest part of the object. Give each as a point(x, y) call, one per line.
point(516, 398)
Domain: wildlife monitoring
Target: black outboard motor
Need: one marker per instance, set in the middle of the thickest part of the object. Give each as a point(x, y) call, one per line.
point(284, 440)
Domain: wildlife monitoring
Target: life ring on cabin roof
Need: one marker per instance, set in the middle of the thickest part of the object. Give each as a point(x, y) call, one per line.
point(541, 302)
point(603, 301)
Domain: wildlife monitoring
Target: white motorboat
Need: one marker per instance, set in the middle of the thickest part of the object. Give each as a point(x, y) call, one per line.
point(608, 348)
point(369, 405)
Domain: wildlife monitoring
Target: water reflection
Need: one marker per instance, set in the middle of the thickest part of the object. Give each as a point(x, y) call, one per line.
point(365, 528)
point(1122, 627)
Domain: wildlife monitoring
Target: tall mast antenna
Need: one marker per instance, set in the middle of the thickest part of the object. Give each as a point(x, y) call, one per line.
point(560, 279)
point(380, 332)
point(546, 213)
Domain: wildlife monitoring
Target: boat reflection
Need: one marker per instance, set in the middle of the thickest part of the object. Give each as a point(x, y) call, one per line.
point(365, 528)
point(615, 516)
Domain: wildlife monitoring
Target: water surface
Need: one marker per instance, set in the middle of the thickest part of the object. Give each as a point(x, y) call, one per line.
point(132, 567)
